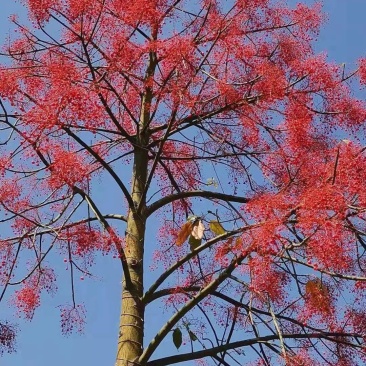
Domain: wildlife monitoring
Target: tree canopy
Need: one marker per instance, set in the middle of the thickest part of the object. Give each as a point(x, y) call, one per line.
point(234, 158)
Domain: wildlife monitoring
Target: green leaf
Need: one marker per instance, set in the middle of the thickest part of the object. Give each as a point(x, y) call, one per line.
point(177, 337)
point(194, 243)
point(192, 336)
point(217, 228)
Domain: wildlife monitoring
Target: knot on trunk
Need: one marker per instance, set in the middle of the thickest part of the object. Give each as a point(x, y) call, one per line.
point(134, 263)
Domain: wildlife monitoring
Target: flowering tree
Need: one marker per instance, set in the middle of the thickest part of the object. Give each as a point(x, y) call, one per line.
point(218, 120)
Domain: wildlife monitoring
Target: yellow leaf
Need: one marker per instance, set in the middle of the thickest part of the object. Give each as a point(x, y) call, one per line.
point(217, 228)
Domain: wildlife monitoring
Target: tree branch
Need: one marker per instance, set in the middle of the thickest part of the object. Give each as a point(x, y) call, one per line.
point(333, 337)
point(110, 230)
point(212, 286)
point(199, 193)
point(148, 297)
point(104, 165)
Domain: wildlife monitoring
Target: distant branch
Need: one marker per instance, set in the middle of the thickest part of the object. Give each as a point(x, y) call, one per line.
point(234, 302)
point(65, 226)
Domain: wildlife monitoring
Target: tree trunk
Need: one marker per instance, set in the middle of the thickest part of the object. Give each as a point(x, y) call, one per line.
point(131, 329)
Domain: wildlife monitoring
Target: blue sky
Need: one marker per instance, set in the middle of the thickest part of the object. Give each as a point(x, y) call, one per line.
point(40, 342)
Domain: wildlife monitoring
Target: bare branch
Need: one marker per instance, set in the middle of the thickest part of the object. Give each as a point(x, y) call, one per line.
point(331, 336)
point(187, 194)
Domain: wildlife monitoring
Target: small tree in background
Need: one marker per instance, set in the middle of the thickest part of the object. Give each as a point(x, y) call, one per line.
point(217, 119)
